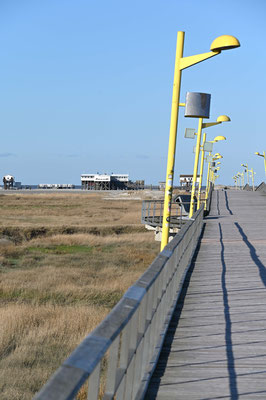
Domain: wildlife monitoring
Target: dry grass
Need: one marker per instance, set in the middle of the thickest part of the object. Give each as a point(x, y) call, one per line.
point(36, 339)
point(66, 210)
point(56, 282)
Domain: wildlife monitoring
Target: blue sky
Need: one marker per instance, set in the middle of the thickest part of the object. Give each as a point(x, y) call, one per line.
point(86, 86)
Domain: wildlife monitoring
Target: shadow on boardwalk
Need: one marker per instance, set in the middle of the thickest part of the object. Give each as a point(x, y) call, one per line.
point(227, 203)
point(228, 327)
point(253, 255)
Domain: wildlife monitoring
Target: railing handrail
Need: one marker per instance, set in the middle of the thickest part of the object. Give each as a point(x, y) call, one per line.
point(142, 300)
point(261, 187)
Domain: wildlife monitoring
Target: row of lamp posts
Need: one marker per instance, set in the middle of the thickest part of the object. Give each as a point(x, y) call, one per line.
point(224, 42)
point(239, 176)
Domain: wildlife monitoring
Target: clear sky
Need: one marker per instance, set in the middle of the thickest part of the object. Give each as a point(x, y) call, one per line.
point(86, 86)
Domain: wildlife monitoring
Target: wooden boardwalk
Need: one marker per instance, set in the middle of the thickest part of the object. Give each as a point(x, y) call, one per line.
point(216, 343)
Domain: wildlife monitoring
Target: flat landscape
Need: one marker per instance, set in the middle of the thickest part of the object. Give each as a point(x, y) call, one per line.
point(65, 261)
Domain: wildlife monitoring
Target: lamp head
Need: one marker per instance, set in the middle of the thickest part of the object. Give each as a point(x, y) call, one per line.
point(223, 118)
point(217, 138)
point(224, 42)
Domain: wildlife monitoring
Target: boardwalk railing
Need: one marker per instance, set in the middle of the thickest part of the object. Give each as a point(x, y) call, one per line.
point(118, 358)
point(152, 213)
point(152, 210)
point(261, 187)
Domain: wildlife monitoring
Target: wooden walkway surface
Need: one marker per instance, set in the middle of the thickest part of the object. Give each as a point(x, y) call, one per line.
point(216, 343)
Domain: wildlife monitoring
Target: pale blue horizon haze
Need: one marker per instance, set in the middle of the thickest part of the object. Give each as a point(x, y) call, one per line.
point(86, 86)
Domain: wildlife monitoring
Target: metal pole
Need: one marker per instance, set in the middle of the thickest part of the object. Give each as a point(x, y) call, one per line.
point(264, 161)
point(208, 183)
point(201, 170)
point(252, 177)
point(172, 141)
point(195, 172)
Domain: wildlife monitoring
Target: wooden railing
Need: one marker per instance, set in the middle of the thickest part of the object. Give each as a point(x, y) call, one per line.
point(118, 358)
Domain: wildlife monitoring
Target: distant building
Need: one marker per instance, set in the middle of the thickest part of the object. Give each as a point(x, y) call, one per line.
point(104, 181)
point(186, 180)
point(8, 181)
point(56, 186)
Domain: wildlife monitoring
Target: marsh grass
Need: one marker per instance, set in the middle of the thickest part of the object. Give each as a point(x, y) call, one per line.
point(59, 280)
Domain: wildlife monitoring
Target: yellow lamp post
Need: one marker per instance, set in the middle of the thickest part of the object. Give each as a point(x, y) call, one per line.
point(238, 181)
point(216, 139)
point(224, 42)
point(241, 178)
point(215, 177)
point(247, 171)
point(235, 180)
point(201, 169)
point(264, 156)
point(237, 186)
point(252, 177)
point(215, 157)
point(220, 119)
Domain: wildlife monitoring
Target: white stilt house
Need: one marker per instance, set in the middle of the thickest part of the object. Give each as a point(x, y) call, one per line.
point(104, 181)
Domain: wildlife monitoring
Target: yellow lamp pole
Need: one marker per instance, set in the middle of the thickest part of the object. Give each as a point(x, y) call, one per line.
point(220, 119)
point(239, 181)
point(235, 180)
point(201, 169)
point(224, 42)
point(264, 156)
point(208, 182)
point(216, 177)
point(252, 177)
point(195, 172)
point(241, 178)
point(209, 175)
point(216, 139)
point(247, 171)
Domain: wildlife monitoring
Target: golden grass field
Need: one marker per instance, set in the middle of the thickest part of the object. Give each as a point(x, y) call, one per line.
point(66, 259)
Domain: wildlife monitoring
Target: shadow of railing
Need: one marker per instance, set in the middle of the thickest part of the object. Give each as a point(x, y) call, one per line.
point(253, 255)
point(228, 327)
point(227, 203)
